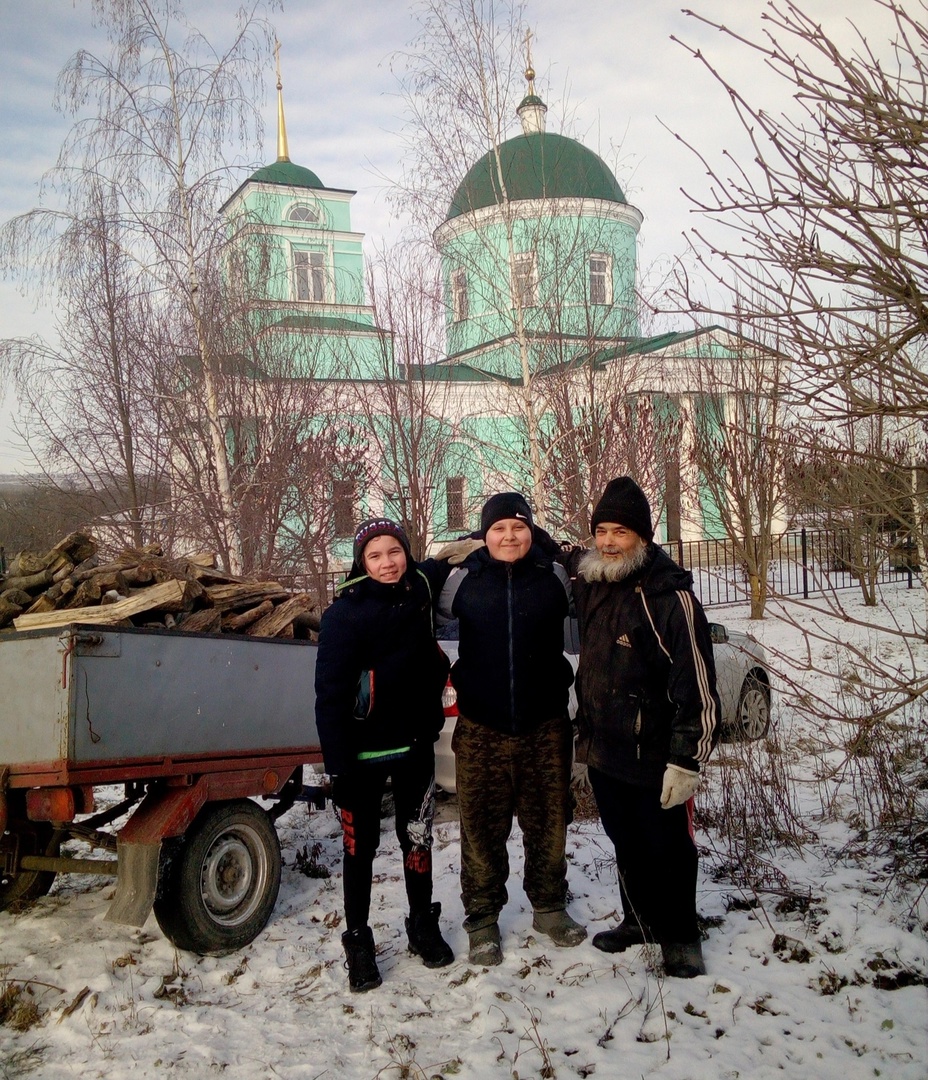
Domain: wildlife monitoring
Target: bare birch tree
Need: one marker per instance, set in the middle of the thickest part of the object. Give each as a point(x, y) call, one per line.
point(166, 110)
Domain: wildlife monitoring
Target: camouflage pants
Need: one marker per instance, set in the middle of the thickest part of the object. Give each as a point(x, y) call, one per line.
point(499, 776)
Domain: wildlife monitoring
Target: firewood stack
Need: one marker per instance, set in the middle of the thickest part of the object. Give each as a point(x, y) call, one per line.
point(141, 587)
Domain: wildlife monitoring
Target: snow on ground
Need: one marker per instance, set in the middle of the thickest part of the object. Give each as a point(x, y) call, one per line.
point(800, 984)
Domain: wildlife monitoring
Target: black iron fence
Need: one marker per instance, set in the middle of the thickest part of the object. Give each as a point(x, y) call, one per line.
point(802, 563)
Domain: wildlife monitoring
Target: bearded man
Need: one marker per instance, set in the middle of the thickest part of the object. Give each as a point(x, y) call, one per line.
point(649, 718)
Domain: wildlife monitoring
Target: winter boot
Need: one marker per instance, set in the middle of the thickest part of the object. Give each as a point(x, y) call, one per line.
point(560, 927)
point(683, 961)
point(425, 938)
point(626, 935)
point(362, 963)
point(485, 947)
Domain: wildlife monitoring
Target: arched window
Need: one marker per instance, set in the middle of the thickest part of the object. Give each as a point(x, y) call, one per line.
point(301, 212)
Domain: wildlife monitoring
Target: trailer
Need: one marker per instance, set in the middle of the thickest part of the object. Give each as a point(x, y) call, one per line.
point(194, 727)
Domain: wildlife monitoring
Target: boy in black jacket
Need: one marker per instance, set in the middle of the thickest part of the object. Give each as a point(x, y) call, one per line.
point(379, 681)
point(513, 739)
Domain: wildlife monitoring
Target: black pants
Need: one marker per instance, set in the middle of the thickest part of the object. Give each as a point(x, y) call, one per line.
point(414, 797)
point(499, 776)
point(655, 854)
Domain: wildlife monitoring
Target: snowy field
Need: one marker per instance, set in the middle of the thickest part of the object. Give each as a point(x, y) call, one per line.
point(819, 974)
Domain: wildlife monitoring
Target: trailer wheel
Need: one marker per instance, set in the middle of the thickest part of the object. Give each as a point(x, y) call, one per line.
point(26, 838)
point(219, 889)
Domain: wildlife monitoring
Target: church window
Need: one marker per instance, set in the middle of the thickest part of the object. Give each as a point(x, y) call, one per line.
point(460, 301)
point(344, 499)
point(524, 285)
point(600, 279)
point(300, 212)
point(455, 493)
point(309, 275)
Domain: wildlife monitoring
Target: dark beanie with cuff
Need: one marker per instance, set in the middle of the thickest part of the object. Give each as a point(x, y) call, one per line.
point(372, 528)
point(624, 503)
point(508, 504)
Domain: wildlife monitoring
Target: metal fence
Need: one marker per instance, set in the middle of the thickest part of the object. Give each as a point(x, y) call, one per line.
point(802, 563)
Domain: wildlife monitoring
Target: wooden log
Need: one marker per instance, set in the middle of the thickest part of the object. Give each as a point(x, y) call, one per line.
point(76, 545)
point(65, 570)
point(30, 583)
point(245, 594)
point(60, 591)
point(8, 611)
point(157, 597)
point(205, 621)
point(276, 622)
point(26, 563)
point(138, 575)
point(87, 593)
point(309, 622)
point(235, 623)
point(19, 597)
point(59, 565)
point(205, 559)
point(42, 604)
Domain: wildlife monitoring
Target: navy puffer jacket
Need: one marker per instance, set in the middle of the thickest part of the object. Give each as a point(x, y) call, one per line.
point(511, 673)
point(378, 639)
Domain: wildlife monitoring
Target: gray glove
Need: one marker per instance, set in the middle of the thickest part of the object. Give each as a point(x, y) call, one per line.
point(679, 785)
point(458, 550)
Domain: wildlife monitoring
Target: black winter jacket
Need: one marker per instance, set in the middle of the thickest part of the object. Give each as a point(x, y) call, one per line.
point(511, 673)
point(379, 637)
point(646, 682)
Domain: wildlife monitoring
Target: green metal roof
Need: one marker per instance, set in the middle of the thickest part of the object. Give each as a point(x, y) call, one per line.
point(537, 166)
point(285, 172)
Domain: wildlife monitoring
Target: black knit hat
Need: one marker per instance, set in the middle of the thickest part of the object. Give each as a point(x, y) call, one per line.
point(508, 504)
point(624, 503)
point(371, 528)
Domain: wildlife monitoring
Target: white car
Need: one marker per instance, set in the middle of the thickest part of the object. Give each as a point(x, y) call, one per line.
point(741, 677)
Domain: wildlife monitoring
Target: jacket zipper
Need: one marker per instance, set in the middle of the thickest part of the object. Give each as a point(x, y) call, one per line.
point(512, 671)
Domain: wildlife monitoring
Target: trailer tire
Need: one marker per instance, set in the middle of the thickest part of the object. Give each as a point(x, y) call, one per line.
point(29, 838)
point(219, 889)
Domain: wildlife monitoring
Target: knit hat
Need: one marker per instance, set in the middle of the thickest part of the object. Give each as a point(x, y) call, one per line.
point(508, 504)
point(371, 528)
point(624, 503)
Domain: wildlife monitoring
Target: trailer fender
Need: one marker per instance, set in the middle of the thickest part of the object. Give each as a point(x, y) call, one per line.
point(161, 814)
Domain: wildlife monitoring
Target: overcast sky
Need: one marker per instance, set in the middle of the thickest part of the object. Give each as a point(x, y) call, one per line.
point(613, 63)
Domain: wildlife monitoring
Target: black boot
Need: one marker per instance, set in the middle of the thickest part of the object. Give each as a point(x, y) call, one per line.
point(425, 938)
point(626, 935)
point(362, 963)
point(683, 961)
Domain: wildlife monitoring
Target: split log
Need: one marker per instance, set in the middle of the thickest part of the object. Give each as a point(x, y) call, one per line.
point(236, 623)
point(281, 618)
point(206, 559)
point(87, 593)
point(138, 575)
point(77, 546)
point(244, 594)
point(41, 605)
point(158, 597)
point(63, 571)
point(205, 621)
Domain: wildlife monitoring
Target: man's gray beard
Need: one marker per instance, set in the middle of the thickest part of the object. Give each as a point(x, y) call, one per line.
point(595, 568)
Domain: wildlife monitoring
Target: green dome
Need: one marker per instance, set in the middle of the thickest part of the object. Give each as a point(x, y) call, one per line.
point(537, 166)
point(285, 172)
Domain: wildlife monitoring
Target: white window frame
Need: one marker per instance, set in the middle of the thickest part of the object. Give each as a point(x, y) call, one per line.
point(525, 279)
point(600, 278)
point(309, 276)
point(303, 213)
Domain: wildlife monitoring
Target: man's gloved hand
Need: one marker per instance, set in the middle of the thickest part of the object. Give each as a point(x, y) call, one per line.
point(679, 785)
point(458, 550)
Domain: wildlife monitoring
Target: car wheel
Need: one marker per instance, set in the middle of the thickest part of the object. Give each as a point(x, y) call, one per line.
point(753, 716)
